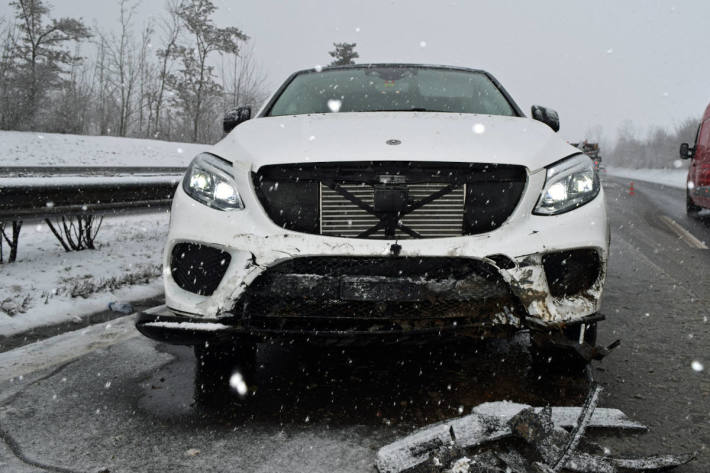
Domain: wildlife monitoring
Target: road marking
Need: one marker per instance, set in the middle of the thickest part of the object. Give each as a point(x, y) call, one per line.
point(682, 233)
point(67, 346)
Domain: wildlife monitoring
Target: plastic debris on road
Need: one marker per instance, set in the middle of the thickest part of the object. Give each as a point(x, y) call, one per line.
point(506, 436)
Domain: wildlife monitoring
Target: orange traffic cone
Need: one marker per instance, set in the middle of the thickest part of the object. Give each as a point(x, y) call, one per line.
point(631, 188)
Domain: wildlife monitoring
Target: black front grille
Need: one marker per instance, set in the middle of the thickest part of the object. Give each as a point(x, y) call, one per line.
point(387, 199)
point(314, 294)
point(429, 267)
point(198, 268)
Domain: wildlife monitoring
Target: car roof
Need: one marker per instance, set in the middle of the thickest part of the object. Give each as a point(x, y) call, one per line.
point(390, 64)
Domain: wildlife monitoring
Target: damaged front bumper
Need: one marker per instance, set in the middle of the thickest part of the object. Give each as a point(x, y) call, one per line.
point(538, 272)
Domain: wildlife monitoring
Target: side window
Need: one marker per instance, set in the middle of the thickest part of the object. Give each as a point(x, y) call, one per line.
point(702, 142)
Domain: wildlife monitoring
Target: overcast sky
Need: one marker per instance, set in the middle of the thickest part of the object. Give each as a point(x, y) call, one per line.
point(597, 62)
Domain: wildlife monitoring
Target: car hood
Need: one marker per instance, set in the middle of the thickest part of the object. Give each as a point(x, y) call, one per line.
point(420, 136)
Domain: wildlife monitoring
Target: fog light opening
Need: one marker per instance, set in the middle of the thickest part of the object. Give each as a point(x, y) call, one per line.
point(571, 272)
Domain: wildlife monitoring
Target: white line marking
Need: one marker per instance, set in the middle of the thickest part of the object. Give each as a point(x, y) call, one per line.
point(67, 346)
point(682, 233)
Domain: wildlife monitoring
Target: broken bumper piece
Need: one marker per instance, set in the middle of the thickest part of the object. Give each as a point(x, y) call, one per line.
point(475, 442)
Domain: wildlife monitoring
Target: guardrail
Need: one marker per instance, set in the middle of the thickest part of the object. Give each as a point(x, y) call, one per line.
point(51, 171)
point(40, 198)
point(76, 195)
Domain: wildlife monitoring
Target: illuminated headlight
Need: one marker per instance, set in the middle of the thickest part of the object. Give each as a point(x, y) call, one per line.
point(209, 180)
point(570, 184)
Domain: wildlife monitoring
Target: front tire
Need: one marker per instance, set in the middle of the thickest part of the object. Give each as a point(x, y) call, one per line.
point(217, 362)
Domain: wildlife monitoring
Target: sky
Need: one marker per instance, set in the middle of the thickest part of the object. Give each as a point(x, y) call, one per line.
point(598, 63)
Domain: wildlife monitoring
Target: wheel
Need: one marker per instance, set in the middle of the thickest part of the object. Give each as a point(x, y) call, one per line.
point(690, 208)
point(547, 355)
point(217, 363)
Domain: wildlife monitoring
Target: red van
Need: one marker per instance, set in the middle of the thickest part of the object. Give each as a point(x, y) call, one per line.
point(698, 186)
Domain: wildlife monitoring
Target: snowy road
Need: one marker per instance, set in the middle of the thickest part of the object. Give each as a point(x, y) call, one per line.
point(124, 403)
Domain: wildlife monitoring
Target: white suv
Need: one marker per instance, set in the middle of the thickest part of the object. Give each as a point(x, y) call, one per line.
point(383, 203)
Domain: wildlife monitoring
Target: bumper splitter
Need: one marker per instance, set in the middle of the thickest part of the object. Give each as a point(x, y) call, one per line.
point(185, 330)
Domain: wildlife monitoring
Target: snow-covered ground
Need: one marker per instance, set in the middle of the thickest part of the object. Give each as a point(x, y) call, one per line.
point(668, 177)
point(26, 148)
point(47, 285)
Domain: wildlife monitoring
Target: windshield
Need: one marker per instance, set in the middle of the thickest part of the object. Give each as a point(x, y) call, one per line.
point(391, 88)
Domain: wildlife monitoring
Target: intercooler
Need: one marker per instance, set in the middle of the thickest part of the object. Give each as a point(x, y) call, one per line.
point(386, 199)
point(442, 217)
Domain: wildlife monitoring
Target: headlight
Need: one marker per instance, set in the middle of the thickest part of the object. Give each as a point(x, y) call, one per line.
point(570, 184)
point(209, 180)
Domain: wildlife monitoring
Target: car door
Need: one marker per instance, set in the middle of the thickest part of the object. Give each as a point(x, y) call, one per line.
point(700, 166)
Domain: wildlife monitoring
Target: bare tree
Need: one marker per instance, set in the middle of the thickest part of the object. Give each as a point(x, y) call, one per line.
point(659, 149)
point(123, 88)
point(7, 57)
point(103, 93)
point(244, 83)
point(171, 32)
point(195, 84)
point(123, 64)
point(144, 73)
point(41, 50)
point(71, 107)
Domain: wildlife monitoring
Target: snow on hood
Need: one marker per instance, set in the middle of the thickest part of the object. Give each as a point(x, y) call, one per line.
point(424, 136)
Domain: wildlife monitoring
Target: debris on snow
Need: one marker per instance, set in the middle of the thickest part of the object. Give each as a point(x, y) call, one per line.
point(122, 307)
point(13, 306)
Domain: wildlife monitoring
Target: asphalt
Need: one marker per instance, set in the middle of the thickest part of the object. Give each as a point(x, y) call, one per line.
point(114, 401)
point(43, 332)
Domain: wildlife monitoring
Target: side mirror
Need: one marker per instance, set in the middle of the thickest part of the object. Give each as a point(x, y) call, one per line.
point(547, 116)
point(234, 117)
point(686, 152)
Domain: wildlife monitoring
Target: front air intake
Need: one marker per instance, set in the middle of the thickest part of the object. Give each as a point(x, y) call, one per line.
point(198, 268)
point(571, 272)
